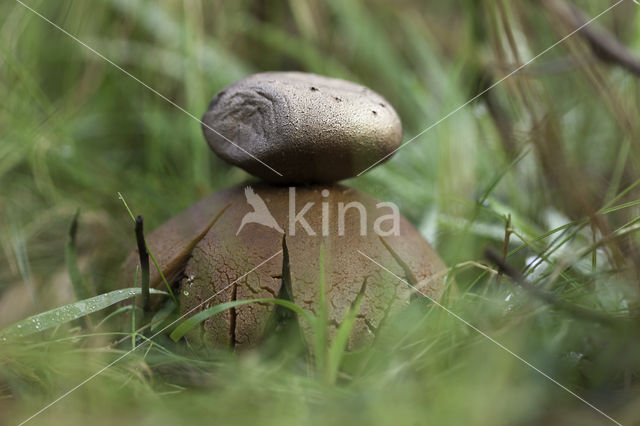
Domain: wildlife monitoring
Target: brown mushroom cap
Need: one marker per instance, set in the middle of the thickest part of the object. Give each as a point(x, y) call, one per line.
point(309, 128)
point(214, 263)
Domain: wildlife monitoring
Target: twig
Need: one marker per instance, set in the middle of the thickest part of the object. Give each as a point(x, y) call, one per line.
point(548, 298)
point(604, 45)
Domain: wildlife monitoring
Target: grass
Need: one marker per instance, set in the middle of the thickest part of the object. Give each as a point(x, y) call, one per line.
point(554, 148)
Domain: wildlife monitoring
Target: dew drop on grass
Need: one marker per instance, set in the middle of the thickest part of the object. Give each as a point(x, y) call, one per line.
point(70, 312)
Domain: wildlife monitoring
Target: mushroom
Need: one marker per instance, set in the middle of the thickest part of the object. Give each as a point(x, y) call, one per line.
point(209, 252)
point(299, 123)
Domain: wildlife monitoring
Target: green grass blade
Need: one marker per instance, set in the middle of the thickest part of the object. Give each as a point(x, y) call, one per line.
point(115, 313)
point(322, 323)
point(340, 340)
point(619, 207)
point(620, 195)
point(133, 312)
point(188, 324)
point(70, 312)
point(162, 315)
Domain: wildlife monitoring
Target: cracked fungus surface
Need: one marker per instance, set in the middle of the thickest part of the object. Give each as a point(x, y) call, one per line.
point(219, 264)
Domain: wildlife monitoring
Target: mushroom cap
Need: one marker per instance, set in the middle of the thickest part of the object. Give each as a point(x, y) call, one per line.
point(213, 264)
point(307, 127)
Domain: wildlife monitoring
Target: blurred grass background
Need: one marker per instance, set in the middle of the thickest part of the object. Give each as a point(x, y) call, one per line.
point(550, 146)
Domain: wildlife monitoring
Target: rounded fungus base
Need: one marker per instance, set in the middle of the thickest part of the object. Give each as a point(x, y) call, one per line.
point(220, 263)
